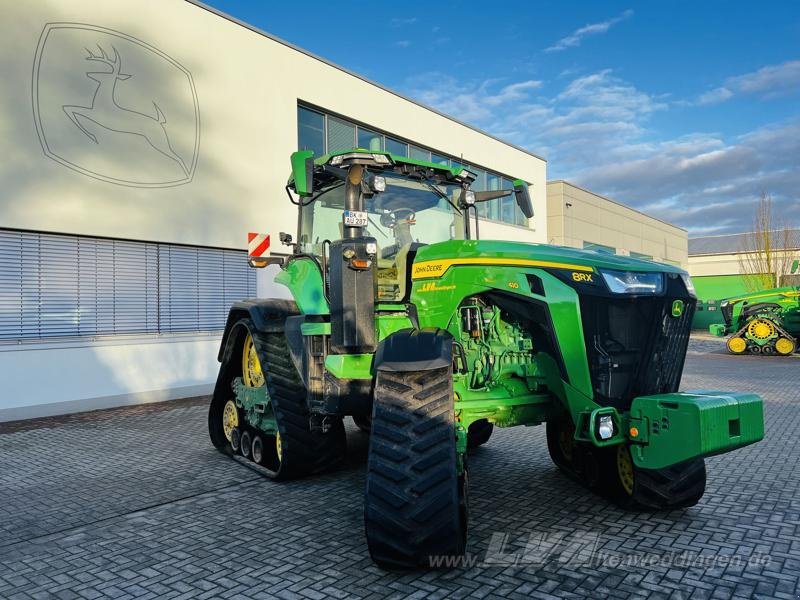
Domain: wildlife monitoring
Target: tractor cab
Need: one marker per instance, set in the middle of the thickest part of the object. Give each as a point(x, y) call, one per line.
point(398, 203)
point(406, 215)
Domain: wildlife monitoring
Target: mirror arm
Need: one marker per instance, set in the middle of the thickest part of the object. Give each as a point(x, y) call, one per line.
point(340, 174)
point(492, 195)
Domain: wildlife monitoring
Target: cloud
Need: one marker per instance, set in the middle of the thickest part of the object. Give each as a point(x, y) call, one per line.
point(576, 37)
point(715, 96)
point(402, 43)
point(705, 183)
point(468, 101)
point(402, 22)
point(768, 82)
point(595, 130)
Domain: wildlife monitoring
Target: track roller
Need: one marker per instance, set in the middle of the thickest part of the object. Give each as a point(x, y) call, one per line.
point(246, 444)
point(236, 440)
point(257, 449)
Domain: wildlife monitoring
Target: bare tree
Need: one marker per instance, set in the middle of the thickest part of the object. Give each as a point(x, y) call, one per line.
point(763, 257)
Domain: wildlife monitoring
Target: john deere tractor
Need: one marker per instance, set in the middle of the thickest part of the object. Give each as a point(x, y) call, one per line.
point(428, 337)
point(766, 322)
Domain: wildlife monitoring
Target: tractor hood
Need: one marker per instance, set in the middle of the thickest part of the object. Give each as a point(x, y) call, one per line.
point(433, 260)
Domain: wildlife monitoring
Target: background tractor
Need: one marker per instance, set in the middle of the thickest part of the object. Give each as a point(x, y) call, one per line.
point(766, 322)
point(429, 337)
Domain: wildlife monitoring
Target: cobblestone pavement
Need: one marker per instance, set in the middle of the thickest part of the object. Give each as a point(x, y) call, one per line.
point(136, 504)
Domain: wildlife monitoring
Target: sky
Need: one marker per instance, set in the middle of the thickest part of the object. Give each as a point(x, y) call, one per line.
point(686, 110)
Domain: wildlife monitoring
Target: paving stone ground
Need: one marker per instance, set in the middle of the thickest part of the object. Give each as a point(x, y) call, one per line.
point(136, 504)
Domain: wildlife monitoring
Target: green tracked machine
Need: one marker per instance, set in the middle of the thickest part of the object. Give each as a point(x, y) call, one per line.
point(428, 337)
point(766, 322)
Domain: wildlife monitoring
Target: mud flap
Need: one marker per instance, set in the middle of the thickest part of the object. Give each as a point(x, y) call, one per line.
point(410, 350)
point(672, 428)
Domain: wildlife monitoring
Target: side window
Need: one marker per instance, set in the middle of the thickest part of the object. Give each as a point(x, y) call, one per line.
point(310, 130)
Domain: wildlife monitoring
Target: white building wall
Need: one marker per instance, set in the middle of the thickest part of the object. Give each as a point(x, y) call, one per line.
point(55, 178)
point(731, 264)
point(575, 216)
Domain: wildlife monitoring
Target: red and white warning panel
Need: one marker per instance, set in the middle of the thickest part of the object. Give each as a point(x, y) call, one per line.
point(257, 245)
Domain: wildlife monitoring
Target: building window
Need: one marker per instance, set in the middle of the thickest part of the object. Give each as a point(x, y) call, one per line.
point(324, 133)
point(396, 146)
point(419, 153)
point(310, 130)
point(440, 160)
point(54, 286)
point(370, 140)
point(341, 135)
point(599, 248)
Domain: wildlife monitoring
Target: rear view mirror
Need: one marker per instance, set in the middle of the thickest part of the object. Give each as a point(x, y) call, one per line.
point(523, 198)
point(303, 172)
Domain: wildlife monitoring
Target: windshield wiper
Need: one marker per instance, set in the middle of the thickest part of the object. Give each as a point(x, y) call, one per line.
point(441, 194)
point(378, 229)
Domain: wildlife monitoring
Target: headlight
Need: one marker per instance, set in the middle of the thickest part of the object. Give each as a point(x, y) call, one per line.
point(605, 427)
point(687, 281)
point(626, 282)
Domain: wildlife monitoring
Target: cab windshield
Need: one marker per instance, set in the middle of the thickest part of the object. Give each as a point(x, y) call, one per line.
point(408, 213)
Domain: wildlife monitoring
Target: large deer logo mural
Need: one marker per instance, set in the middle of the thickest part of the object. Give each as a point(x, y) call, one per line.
point(113, 107)
point(107, 112)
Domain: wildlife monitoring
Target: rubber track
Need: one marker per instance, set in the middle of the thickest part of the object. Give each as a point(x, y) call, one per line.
point(303, 452)
point(678, 486)
point(411, 507)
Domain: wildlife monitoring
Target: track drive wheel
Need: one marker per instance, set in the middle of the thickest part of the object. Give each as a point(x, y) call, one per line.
point(415, 504)
point(479, 433)
point(761, 329)
point(294, 450)
point(736, 345)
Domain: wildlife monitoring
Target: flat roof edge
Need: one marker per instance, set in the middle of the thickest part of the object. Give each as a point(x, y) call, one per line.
point(310, 54)
point(618, 203)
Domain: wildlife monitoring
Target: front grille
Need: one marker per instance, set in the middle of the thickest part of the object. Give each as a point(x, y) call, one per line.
point(634, 346)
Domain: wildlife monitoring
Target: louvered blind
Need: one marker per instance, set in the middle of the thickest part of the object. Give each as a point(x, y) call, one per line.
point(67, 286)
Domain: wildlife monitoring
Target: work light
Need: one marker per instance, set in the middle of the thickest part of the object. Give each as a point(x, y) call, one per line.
point(361, 158)
point(377, 183)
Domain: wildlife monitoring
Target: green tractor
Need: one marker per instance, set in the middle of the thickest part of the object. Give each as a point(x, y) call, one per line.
point(766, 322)
point(429, 338)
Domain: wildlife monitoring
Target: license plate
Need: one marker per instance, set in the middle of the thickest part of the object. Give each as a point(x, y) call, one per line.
point(355, 218)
